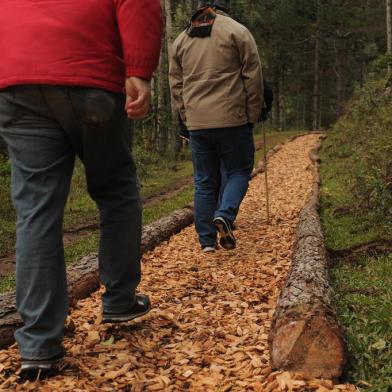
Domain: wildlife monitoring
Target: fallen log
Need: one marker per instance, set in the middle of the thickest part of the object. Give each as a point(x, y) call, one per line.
point(305, 333)
point(261, 165)
point(9, 319)
point(82, 276)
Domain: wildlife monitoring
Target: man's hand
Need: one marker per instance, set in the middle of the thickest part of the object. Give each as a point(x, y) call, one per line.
point(138, 98)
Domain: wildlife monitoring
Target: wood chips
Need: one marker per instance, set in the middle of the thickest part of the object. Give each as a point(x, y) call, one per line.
point(209, 327)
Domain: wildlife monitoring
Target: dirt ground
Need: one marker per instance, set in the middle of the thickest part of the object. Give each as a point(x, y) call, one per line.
point(211, 314)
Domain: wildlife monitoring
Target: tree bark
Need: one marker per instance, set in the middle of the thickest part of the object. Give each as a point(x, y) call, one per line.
point(339, 78)
point(282, 100)
point(175, 140)
point(389, 27)
point(316, 86)
point(340, 60)
point(3, 147)
point(162, 87)
point(305, 333)
point(276, 112)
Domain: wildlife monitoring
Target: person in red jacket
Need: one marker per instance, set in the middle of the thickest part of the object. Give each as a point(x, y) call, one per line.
point(64, 68)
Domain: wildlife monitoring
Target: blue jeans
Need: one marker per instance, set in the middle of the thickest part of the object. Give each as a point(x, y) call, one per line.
point(223, 182)
point(234, 148)
point(45, 127)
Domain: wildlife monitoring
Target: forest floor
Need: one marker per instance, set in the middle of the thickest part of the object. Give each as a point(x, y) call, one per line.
point(359, 240)
point(165, 187)
point(211, 316)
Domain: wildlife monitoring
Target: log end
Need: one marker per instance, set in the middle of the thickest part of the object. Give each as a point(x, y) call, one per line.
point(314, 347)
point(7, 335)
point(87, 284)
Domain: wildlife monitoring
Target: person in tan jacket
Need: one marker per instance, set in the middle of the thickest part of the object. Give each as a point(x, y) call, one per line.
point(217, 84)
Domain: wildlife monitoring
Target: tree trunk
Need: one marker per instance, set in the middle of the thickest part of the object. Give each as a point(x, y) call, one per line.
point(3, 147)
point(162, 88)
point(175, 140)
point(276, 111)
point(340, 53)
point(339, 78)
point(304, 105)
point(282, 100)
point(194, 4)
point(316, 86)
point(298, 119)
point(389, 27)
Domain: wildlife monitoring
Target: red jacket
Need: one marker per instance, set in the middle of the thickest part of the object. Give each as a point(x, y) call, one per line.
point(91, 43)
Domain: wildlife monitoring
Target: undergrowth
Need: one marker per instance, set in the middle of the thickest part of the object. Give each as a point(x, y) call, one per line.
point(356, 201)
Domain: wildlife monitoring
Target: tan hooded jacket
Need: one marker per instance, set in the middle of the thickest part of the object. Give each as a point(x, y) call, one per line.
point(216, 81)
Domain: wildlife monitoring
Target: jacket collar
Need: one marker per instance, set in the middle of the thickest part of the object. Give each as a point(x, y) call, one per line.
point(221, 12)
point(202, 22)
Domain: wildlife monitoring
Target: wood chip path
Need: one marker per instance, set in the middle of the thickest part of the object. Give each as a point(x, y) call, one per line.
point(212, 313)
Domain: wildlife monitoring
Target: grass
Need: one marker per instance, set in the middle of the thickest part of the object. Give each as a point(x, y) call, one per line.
point(7, 283)
point(363, 292)
point(81, 247)
point(156, 175)
point(355, 210)
point(363, 296)
point(345, 225)
point(164, 208)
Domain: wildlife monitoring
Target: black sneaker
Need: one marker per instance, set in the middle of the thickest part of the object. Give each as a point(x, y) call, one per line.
point(39, 369)
point(141, 307)
point(226, 236)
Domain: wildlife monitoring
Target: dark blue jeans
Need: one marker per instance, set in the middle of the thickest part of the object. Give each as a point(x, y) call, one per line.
point(234, 148)
point(45, 127)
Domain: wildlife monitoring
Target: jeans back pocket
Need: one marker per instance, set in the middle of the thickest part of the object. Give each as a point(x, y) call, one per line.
point(9, 112)
point(92, 106)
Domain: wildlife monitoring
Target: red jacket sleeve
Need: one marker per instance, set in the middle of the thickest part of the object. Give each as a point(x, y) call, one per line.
point(141, 24)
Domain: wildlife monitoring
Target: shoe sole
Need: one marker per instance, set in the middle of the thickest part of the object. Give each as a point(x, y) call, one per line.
point(226, 236)
point(34, 365)
point(123, 318)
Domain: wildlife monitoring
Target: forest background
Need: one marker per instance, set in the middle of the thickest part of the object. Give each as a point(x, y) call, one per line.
point(315, 54)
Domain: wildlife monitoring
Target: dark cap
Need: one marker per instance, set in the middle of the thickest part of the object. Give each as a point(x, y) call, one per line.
point(220, 4)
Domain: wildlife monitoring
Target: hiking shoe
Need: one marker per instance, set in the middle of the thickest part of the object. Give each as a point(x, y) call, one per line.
point(33, 369)
point(226, 236)
point(209, 249)
point(141, 307)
